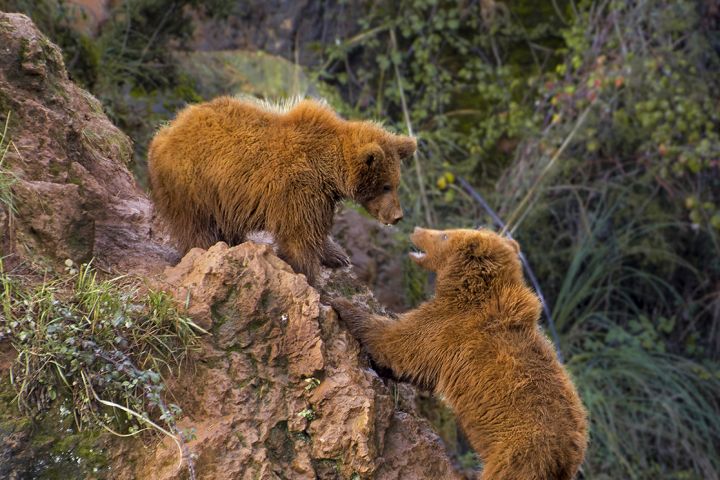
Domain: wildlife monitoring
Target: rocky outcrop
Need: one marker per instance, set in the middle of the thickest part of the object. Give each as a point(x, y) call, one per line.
point(281, 389)
point(73, 195)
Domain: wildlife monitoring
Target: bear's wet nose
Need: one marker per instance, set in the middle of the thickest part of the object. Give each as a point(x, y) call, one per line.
point(398, 217)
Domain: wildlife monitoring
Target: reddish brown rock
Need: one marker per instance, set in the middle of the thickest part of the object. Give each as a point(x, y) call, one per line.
point(74, 196)
point(281, 389)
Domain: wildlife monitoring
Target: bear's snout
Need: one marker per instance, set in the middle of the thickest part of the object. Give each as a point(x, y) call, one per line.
point(397, 216)
point(385, 208)
point(419, 237)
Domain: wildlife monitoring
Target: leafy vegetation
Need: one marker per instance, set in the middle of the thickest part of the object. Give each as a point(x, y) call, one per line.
point(6, 177)
point(96, 351)
point(465, 77)
point(592, 127)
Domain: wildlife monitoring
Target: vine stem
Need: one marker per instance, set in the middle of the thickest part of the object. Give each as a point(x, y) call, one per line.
point(406, 115)
point(89, 387)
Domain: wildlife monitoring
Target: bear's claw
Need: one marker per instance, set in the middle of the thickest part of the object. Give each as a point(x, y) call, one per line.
point(333, 256)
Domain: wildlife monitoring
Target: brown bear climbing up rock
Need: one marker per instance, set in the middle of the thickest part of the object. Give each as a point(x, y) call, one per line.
point(228, 167)
point(477, 343)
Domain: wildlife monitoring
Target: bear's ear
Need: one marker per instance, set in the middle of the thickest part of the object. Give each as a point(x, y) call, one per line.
point(513, 244)
point(370, 154)
point(474, 249)
point(406, 146)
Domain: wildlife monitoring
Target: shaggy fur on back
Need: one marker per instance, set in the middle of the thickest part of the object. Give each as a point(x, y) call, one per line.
point(477, 343)
point(227, 167)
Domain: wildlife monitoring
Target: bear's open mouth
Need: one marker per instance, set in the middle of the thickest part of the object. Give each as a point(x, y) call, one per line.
point(417, 255)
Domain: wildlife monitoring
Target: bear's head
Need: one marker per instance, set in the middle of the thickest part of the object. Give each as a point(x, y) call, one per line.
point(374, 156)
point(467, 262)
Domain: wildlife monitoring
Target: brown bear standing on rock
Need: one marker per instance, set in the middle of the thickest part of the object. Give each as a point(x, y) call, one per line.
point(478, 344)
point(228, 167)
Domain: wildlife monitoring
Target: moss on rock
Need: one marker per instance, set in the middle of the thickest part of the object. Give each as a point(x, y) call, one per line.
point(46, 447)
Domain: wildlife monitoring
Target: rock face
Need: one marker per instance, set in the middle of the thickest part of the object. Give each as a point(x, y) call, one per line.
point(281, 27)
point(74, 196)
point(280, 389)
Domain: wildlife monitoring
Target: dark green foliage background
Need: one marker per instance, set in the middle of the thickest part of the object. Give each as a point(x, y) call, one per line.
point(623, 229)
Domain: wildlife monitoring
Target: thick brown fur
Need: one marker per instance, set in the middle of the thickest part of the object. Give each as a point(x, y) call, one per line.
point(228, 167)
point(477, 343)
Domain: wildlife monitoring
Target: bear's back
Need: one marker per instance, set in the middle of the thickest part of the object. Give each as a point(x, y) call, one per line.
point(513, 397)
point(260, 128)
point(226, 119)
point(502, 362)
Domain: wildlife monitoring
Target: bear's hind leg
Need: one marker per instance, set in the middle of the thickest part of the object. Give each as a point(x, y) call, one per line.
point(199, 230)
point(302, 258)
point(188, 226)
point(527, 464)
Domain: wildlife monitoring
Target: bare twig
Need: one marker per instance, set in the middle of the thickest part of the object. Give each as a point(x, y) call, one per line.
point(355, 40)
point(406, 114)
point(90, 389)
point(160, 26)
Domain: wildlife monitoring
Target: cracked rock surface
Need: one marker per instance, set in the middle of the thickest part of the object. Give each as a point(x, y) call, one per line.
point(281, 389)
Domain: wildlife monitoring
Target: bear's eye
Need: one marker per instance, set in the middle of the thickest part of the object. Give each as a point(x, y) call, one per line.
point(386, 188)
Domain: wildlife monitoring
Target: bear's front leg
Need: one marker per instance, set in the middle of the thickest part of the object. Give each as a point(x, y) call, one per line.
point(396, 344)
point(355, 319)
point(373, 331)
point(333, 255)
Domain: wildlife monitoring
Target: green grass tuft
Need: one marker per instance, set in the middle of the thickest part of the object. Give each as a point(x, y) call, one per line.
point(645, 406)
point(7, 179)
point(96, 350)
